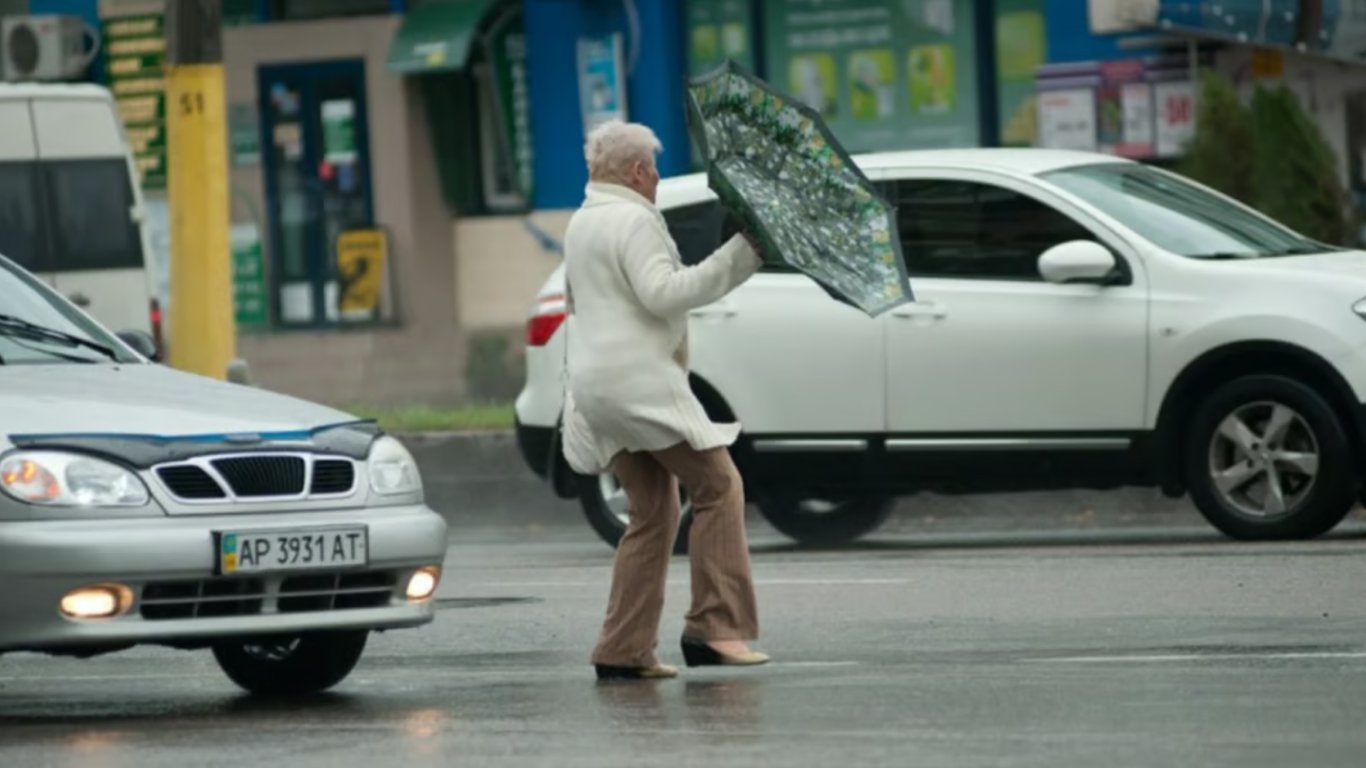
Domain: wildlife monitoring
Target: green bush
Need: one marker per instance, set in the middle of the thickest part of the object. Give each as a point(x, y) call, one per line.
point(1224, 141)
point(1296, 177)
point(1270, 156)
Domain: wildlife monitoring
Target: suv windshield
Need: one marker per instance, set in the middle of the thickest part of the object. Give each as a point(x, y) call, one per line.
point(24, 304)
point(1179, 216)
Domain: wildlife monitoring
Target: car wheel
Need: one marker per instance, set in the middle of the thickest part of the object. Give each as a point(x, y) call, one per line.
point(814, 521)
point(291, 666)
point(1267, 458)
point(605, 505)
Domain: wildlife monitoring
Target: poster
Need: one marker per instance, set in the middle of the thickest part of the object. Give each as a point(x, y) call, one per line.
point(244, 134)
point(1021, 48)
point(135, 55)
point(885, 74)
point(339, 131)
point(718, 30)
point(249, 290)
point(1175, 107)
point(361, 258)
point(1136, 102)
point(602, 80)
point(1067, 119)
point(1112, 113)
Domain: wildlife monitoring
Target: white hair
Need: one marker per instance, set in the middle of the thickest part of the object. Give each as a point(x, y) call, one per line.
point(614, 146)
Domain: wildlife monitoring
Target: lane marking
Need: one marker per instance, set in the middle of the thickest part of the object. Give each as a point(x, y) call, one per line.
point(1160, 658)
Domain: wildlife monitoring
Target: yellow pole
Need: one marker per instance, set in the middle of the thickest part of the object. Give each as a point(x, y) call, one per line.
point(203, 334)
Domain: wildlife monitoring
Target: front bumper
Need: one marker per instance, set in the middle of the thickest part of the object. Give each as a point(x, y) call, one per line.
point(40, 561)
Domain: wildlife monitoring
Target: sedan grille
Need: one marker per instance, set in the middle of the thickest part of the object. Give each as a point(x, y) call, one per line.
point(333, 476)
point(209, 598)
point(256, 477)
point(190, 482)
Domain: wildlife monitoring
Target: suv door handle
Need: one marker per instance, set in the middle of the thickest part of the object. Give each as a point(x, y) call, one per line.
point(932, 309)
point(79, 299)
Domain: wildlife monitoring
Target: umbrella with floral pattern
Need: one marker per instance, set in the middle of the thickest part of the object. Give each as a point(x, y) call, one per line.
point(775, 165)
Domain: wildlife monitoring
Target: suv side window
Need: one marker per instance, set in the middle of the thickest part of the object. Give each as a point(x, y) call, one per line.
point(696, 230)
point(965, 229)
point(699, 229)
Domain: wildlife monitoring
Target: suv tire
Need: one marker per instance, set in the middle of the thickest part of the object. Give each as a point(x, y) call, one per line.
point(604, 504)
point(812, 522)
point(292, 665)
point(1266, 458)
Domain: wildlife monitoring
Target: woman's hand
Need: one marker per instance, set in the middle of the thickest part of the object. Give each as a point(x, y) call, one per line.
point(754, 244)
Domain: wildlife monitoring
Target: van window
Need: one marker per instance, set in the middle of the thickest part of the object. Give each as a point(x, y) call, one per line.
point(90, 204)
point(21, 234)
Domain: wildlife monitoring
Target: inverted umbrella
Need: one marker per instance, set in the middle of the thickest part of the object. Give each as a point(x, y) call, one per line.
point(775, 165)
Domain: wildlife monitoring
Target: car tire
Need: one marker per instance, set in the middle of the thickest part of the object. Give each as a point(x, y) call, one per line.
point(1266, 458)
point(291, 666)
point(814, 522)
point(604, 504)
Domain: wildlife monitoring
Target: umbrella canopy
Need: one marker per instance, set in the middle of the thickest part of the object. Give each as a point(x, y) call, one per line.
point(773, 162)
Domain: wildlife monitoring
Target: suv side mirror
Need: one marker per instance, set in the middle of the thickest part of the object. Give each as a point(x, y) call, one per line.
point(1078, 261)
point(142, 343)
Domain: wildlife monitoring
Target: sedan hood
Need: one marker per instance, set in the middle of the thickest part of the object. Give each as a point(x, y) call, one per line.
point(149, 400)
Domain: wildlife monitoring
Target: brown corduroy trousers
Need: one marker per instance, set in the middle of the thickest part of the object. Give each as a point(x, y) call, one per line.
point(723, 602)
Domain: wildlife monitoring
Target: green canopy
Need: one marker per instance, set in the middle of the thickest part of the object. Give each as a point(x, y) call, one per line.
point(437, 36)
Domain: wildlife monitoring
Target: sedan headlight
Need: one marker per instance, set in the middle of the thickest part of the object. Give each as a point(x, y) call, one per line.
point(393, 472)
point(69, 480)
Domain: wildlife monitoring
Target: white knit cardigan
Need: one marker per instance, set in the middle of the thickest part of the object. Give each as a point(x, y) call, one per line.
point(626, 360)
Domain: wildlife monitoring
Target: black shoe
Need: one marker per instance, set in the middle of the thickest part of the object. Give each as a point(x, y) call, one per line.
point(698, 654)
point(657, 672)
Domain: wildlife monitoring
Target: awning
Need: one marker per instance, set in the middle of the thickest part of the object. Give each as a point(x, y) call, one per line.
point(1319, 28)
point(437, 36)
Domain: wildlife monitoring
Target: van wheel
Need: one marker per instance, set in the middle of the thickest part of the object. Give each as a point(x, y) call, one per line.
point(1267, 459)
point(291, 665)
point(607, 509)
point(818, 522)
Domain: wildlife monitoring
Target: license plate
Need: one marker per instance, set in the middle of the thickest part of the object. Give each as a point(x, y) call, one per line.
point(298, 549)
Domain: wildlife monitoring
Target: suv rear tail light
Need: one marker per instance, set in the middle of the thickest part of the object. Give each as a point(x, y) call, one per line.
point(546, 320)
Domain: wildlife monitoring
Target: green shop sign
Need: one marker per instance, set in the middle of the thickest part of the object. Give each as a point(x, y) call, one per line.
point(135, 53)
point(885, 74)
point(507, 51)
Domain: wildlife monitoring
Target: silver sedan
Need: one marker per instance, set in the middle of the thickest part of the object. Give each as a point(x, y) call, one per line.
point(143, 505)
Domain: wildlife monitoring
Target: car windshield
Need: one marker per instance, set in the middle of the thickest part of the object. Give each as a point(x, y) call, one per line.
point(1179, 216)
point(33, 322)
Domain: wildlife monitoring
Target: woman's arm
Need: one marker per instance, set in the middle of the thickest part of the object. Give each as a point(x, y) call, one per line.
point(667, 288)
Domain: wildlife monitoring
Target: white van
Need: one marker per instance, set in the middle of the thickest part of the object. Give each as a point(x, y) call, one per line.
point(71, 208)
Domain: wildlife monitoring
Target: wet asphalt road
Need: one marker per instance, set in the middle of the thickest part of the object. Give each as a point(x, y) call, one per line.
point(1123, 645)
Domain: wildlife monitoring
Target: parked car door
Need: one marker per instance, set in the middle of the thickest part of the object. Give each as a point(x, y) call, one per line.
point(787, 358)
point(990, 349)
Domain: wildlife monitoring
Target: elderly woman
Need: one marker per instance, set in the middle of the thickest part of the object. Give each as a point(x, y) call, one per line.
point(629, 409)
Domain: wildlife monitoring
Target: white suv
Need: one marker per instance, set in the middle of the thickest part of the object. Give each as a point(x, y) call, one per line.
point(1081, 322)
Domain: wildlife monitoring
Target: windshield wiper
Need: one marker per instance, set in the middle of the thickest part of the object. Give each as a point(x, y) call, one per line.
point(11, 325)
